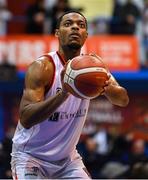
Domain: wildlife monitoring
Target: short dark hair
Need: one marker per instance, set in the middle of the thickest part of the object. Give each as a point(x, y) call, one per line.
point(68, 12)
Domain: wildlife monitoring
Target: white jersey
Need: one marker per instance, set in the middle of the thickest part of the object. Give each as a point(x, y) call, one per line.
point(56, 137)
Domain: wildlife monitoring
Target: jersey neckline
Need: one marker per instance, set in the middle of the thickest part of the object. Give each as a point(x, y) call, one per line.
point(61, 58)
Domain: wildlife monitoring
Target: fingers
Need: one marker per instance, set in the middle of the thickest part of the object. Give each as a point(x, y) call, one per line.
point(62, 74)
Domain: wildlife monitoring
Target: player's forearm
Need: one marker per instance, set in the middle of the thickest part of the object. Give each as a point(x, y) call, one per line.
point(35, 113)
point(118, 97)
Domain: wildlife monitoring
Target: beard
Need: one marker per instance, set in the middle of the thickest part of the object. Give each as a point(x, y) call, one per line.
point(74, 46)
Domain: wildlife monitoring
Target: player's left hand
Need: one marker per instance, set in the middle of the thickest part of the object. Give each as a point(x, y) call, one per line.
point(115, 93)
point(110, 87)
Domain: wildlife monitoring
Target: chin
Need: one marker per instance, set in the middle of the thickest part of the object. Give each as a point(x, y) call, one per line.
point(74, 46)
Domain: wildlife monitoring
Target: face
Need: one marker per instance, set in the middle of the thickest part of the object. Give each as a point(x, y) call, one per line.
point(72, 31)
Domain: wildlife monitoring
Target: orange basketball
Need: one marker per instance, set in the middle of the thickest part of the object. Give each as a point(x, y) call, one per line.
point(85, 76)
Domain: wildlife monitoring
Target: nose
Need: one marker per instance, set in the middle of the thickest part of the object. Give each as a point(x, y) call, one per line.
point(75, 26)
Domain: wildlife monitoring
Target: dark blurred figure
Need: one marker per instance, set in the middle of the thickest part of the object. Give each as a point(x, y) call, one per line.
point(58, 9)
point(91, 158)
point(124, 18)
point(121, 149)
point(115, 24)
point(8, 72)
point(5, 151)
point(138, 152)
point(35, 17)
point(5, 159)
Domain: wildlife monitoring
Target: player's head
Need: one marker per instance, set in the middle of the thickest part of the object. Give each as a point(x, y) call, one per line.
point(68, 12)
point(72, 29)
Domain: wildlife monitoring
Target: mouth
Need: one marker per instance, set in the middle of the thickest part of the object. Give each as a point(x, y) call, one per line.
point(75, 35)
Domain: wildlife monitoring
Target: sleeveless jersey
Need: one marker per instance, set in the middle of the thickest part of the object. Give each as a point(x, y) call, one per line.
point(56, 137)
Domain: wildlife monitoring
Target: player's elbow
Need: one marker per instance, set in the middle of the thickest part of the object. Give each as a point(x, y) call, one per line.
point(122, 99)
point(24, 120)
point(125, 101)
point(25, 124)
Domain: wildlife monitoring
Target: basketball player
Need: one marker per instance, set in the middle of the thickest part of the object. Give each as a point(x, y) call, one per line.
point(51, 120)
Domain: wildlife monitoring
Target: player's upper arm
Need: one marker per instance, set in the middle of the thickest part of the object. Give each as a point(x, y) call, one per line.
point(39, 76)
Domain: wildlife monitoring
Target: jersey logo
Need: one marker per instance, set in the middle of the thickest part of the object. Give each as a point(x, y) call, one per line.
point(32, 172)
point(54, 116)
point(58, 89)
point(64, 115)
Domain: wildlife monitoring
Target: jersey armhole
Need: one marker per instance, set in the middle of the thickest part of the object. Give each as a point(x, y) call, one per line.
point(52, 61)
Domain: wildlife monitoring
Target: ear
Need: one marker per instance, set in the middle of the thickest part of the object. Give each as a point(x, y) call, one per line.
point(86, 35)
point(57, 33)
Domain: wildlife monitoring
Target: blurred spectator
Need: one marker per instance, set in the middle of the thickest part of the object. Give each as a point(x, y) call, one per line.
point(139, 171)
point(138, 27)
point(115, 24)
point(5, 16)
point(130, 15)
point(98, 26)
point(49, 4)
point(114, 170)
point(8, 72)
point(91, 158)
point(125, 18)
point(35, 18)
point(101, 139)
point(138, 152)
point(121, 148)
point(139, 4)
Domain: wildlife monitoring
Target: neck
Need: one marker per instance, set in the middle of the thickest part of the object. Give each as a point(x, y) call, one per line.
point(69, 53)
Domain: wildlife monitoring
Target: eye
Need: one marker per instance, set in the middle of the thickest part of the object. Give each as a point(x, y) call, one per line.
point(67, 24)
point(82, 25)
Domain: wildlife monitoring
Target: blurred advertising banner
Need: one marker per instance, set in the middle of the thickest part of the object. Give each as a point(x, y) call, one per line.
point(120, 53)
point(133, 118)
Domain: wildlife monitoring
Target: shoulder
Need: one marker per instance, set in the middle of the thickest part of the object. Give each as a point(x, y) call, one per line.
point(41, 70)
